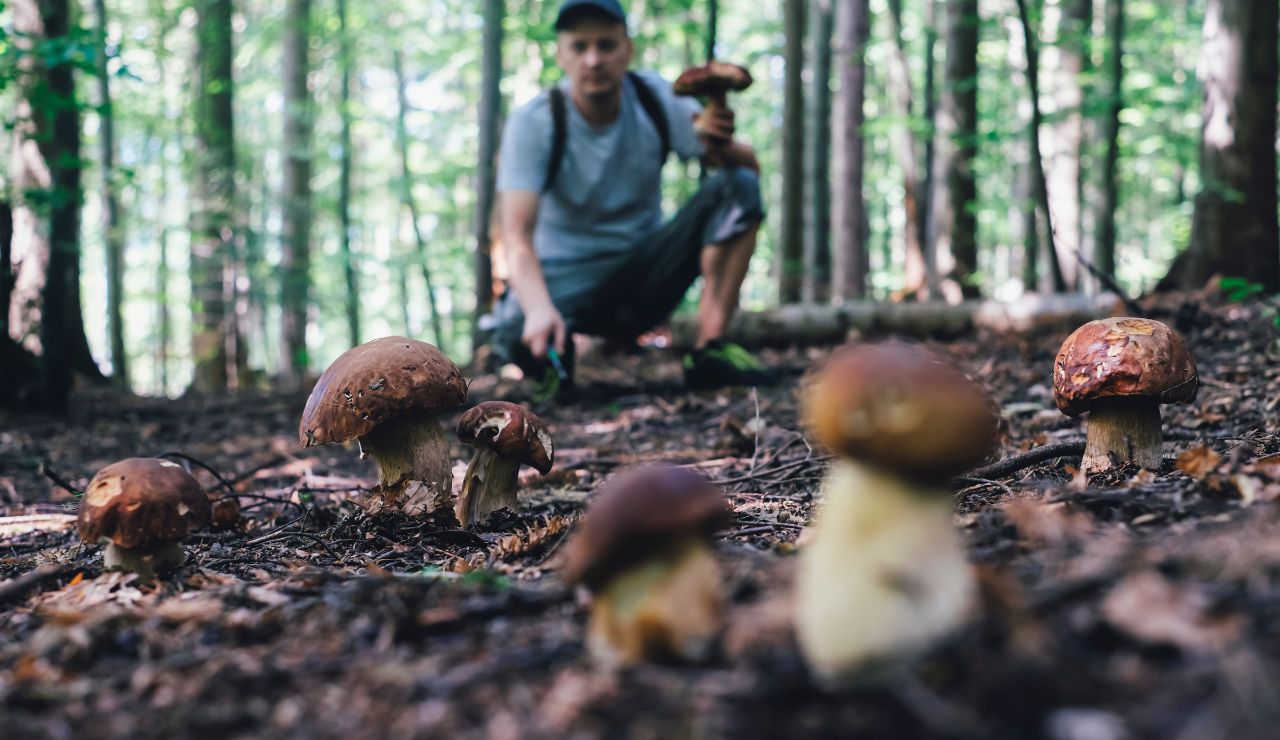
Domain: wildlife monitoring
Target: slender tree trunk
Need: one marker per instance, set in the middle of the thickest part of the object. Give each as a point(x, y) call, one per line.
point(406, 195)
point(954, 227)
point(490, 111)
point(904, 151)
point(296, 225)
point(713, 20)
point(791, 266)
point(215, 341)
point(112, 229)
point(925, 197)
point(1037, 161)
point(849, 209)
point(1234, 229)
point(817, 230)
point(1065, 182)
point(350, 273)
point(1104, 255)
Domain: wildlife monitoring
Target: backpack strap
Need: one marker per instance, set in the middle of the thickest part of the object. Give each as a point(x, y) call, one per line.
point(559, 124)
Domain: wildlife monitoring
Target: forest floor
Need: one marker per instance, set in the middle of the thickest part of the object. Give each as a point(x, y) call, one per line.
point(1133, 604)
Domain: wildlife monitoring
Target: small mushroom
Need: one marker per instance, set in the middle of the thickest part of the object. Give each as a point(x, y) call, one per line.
point(643, 550)
point(1120, 370)
point(141, 508)
point(884, 573)
point(713, 81)
point(385, 394)
point(505, 436)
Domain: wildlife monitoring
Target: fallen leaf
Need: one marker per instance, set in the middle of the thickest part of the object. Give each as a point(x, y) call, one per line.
point(1151, 608)
point(1199, 462)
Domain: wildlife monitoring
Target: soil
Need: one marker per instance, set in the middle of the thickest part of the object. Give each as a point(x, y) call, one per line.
point(1128, 604)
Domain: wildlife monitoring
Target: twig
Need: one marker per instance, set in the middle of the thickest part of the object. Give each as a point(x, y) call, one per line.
point(193, 461)
point(15, 587)
point(1110, 284)
point(59, 480)
point(755, 447)
point(1024, 460)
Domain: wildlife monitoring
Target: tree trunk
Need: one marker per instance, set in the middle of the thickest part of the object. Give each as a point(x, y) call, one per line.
point(350, 273)
point(1037, 161)
point(1234, 229)
point(295, 259)
point(791, 248)
point(849, 209)
point(45, 313)
point(817, 229)
point(904, 151)
point(925, 196)
point(490, 111)
point(111, 226)
point(1065, 182)
point(954, 226)
point(713, 20)
point(215, 340)
point(406, 196)
point(1104, 254)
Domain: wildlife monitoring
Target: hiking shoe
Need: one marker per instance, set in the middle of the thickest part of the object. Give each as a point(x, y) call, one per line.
point(722, 363)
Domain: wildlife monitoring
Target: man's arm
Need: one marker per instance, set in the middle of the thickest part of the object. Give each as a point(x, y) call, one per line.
point(543, 324)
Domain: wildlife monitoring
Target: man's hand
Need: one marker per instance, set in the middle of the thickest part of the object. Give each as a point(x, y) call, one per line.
point(715, 125)
point(544, 327)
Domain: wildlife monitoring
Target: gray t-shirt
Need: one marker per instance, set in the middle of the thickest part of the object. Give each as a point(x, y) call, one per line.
point(607, 193)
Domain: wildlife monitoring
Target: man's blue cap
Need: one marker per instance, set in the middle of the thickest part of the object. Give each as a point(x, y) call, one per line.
point(608, 7)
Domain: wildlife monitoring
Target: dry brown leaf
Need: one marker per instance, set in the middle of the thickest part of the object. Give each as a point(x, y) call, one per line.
point(1199, 462)
point(1153, 609)
point(1046, 523)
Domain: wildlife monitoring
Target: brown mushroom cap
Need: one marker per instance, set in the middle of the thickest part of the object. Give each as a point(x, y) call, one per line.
point(377, 381)
point(638, 513)
point(901, 407)
point(511, 431)
point(1123, 357)
point(713, 77)
point(142, 501)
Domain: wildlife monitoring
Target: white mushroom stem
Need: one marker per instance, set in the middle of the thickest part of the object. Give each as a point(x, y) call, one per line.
point(1123, 430)
point(669, 606)
point(883, 575)
point(415, 474)
point(147, 562)
point(489, 485)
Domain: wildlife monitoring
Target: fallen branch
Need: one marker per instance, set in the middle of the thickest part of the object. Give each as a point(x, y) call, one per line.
point(15, 587)
point(1023, 460)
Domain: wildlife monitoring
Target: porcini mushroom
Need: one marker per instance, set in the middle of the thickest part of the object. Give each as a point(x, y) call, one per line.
point(505, 436)
point(884, 573)
point(142, 508)
point(1120, 370)
point(385, 394)
point(713, 81)
point(643, 550)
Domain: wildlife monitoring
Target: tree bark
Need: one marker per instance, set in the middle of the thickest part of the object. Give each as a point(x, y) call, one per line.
point(817, 229)
point(295, 260)
point(1065, 181)
point(1104, 254)
point(848, 208)
point(1234, 230)
point(1037, 160)
point(791, 248)
point(925, 197)
point(953, 224)
point(215, 344)
point(111, 227)
point(904, 151)
point(490, 111)
point(350, 273)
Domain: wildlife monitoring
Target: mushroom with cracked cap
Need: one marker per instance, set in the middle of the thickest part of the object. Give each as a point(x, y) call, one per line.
point(142, 508)
point(643, 550)
point(1120, 370)
point(884, 573)
point(385, 394)
point(505, 436)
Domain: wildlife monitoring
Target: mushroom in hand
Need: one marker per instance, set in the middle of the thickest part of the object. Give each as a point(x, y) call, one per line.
point(713, 81)
point(643, 550)
point(385, 394)
point(142, 508)
point(884, 573)
point(1120, 370)
point(505, 436)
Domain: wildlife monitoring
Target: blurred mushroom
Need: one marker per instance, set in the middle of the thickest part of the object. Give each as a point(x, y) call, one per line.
point(884, 573)
point(643, 550)
point(1120, 370)
point(713, 81)
point(142, 508)
point(505, 437)
point(385, 394)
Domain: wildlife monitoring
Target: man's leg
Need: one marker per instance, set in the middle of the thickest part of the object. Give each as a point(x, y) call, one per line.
point(724, 267)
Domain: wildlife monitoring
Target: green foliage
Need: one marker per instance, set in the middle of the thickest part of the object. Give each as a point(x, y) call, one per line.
point(1240, 289)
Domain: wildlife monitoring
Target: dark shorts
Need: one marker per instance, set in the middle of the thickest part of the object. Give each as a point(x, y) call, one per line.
point(627, 294)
